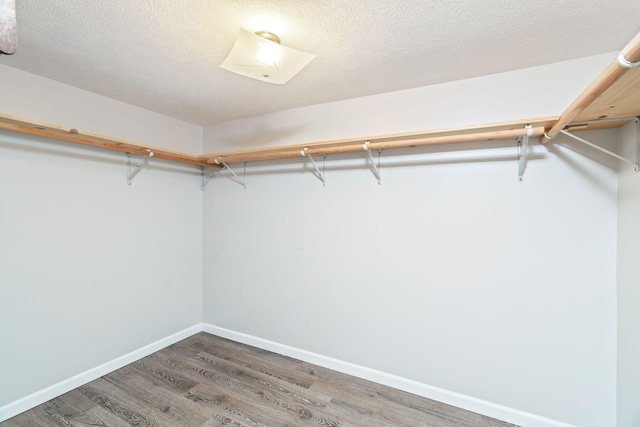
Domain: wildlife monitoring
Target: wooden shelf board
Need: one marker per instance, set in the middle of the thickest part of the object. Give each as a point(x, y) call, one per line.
point(73, 135)
point(613, 94)
point(390, 138)
point(621, 99)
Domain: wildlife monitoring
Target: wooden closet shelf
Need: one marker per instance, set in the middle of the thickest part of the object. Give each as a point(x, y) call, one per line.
point(615, 93)
point(73, 135)
point(485, 132)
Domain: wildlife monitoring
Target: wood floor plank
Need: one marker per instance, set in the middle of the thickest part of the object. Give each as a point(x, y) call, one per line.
point(208, 381)
point(126, 407)
point(149, 366)
point(225, 405)
point(253, 409)
point(153, 395)
point(70, 404)
point(264, 381)
point(243, 385)
point(277, 368)
point(31, 418)
point(206, 368)
point(98, 417)
point(220, 420)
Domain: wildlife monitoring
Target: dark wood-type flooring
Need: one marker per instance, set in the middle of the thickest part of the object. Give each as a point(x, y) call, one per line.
point(208, 381)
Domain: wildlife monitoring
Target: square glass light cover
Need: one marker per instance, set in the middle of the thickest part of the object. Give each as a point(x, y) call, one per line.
point(256, 57)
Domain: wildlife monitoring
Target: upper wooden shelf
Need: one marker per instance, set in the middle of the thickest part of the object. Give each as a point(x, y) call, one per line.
point(615, 93)
point(621, 99)
point(484, 132)
point(74, 135)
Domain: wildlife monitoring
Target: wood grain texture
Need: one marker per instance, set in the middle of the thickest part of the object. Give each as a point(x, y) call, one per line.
point(490, 132)
point(16, 124)
point(405, 136)
point(207, 381)
point(620, 99)
point(613, 94)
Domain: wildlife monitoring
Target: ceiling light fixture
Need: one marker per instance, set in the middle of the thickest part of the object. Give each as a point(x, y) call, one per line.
point(261, 56)
point(8, 31)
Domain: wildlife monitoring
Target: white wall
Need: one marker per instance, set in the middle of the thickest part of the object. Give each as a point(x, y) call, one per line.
point(451, 273)
point(527, 93)
point(35, 98)
point(628, 286)
point(90, 268)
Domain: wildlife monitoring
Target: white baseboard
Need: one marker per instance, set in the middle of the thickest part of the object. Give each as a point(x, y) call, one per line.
point(16, 407)
point(479, 406)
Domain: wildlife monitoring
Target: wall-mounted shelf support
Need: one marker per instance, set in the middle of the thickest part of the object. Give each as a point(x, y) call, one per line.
point(207, 178)
point(604, 150)
point(136, 170)
point(523, 147)
point(242, 181)
point(318, 174)
point(579, 125)
point(374, 168)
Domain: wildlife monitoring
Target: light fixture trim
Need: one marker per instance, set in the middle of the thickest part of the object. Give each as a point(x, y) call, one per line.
point(268, 35)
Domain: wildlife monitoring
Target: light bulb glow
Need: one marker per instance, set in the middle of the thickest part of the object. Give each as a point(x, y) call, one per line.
point(269, 53)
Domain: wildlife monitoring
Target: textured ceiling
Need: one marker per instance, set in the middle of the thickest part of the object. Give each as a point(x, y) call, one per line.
point(164, 55)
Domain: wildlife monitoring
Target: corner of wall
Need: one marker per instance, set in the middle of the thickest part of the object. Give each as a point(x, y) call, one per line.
point(628, 289)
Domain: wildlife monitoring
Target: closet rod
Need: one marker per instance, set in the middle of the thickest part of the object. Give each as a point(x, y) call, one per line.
point(407, 143)
point(628, 58)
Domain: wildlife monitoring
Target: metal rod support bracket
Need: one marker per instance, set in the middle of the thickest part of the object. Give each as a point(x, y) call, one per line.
point(523, 148)
point(136, 170)
point(604, 150)
point(242, 181)
point(317, 173)
point(374, 168)
point(588, 122)
point(207, 178)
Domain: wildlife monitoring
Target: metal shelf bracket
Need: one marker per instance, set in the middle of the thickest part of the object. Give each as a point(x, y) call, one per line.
point(242, 181)
point(634, 162)
point(136, 170)
point(523, 148)
point(206, 178)
point(317, 173)
point(374, 168)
